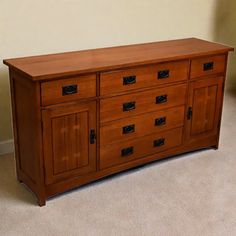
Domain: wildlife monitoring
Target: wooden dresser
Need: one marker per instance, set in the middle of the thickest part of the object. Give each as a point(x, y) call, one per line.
point(80, 116)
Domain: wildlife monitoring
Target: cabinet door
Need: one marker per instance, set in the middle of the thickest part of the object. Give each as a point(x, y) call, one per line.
point(205, 101)
point(69, 141)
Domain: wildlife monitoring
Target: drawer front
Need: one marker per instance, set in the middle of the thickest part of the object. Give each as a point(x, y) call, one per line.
point(207, 65)
point(119, 153)
point(70, 89)
point(141, 102)
point(126, 80)
point(141, 125)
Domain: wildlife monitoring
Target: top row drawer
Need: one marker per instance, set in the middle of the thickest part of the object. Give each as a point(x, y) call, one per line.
point(147, 76)
point(141, 77)
point(205, 66)
point(69, 89)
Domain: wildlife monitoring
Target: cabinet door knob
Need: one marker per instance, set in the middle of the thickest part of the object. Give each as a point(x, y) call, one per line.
point(128, 129)
point(159, 142)
point(128, 106)
point(127, 151)
point(190, 113)
point(208, 66)
point(163, 74)
point(129, 80)
point(92, 136)
point(161, 99)
point(160, 121)
point(69, 89)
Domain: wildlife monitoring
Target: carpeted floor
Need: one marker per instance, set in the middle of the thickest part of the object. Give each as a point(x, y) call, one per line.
point(193, 194)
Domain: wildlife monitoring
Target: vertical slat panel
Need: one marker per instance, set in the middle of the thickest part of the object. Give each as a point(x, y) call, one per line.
point(67, 149)
point(82, 137)
point(205, 97)
point(199, 111)
point(210, 107)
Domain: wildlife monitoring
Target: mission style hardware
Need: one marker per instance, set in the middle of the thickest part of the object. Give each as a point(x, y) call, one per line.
point(190, 113)
point(67, 90)
point(128, 106)
point(161, 99)
point(128, 129)
point(92, 136)
point(163, 74)
point(208, 66)
point(159, 142)
point(129, 80)
point(127, 151)
point(81, 116)
point(160, 121)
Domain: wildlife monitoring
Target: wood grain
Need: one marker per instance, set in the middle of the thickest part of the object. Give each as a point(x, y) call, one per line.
point(205, 98)
point(67, 149)
point(27, 134)
point(52, 131)
point(197, 66)
point(111, 155)
point(145, 76)
point(112, 132)
point(52, 90)
point(105, 59)
point(112, 108)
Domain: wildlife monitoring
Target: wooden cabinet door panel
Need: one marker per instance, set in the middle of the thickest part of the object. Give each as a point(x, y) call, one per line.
point(67, 149)
point(205, 101)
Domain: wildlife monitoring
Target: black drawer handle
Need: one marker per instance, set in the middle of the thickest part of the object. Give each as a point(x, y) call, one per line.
point(127, 151)
point(159, 142)
point(128, 129)
point(128, 106)
point(69, 89)
point(129, 80)
point(163, 74)
point(160, 121)
point(161, 99)
point(208, 66)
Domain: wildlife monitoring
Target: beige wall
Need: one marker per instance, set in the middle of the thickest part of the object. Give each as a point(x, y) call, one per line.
point(29, 27)
point(225, 32)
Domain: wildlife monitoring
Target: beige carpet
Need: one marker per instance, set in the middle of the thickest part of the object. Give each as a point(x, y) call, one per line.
point(192, 194)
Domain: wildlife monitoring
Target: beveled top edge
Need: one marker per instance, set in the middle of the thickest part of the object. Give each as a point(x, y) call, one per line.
point(103, 59)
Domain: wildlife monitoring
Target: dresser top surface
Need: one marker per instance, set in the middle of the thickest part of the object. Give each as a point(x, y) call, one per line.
point(104, 59)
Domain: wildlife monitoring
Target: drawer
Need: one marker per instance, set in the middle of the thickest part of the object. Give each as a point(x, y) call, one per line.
point(70, 89)
point(141, 102)
point(207, 66)
point(141, 77)
point(141, 125)
point(122, 152)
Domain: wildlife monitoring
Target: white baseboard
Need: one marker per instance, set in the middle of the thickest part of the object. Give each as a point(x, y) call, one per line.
point(6, 146)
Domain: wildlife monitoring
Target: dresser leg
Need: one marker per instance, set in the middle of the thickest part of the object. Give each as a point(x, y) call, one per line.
point(215, 146)
point(41, 201)
point(19, 180)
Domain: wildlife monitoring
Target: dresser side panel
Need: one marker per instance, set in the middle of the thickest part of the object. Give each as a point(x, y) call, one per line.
point(27, 132)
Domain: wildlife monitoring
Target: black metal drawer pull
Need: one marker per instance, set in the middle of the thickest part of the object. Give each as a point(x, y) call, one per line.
point(159, 142)
point(163, 74)
point(129, 80)
point(160, 121)
point(208, 66)
point(128, 129)
point(128, 106)
point(69, 89)
point(161, 99)
point(92, 136)
point(127, 151)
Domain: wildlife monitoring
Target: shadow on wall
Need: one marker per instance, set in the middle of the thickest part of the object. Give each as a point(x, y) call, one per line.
point(5, 106)
point(225, 32)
